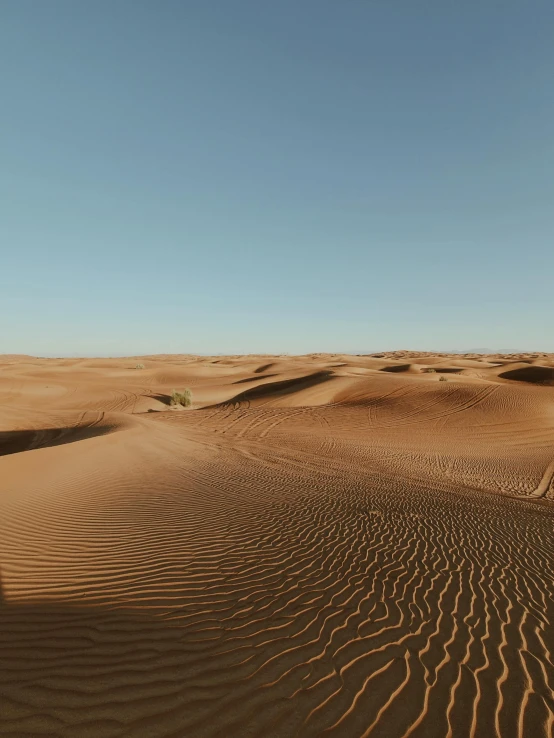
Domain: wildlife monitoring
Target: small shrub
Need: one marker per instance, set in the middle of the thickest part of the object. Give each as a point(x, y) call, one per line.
point(139, 366)
point(442, 379)
point(183, 398)
point(430, 371)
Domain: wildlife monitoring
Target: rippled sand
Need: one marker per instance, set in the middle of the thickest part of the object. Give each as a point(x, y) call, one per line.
point(324, 545)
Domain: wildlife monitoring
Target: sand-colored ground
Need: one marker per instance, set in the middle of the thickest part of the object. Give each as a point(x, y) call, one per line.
point(325, 545)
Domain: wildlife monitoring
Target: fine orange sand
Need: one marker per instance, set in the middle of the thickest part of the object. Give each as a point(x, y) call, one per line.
point(324, 545)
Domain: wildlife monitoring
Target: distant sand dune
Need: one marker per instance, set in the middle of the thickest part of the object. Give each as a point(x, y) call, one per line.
point(283, 386)
point(534, 374)
point(322, 546)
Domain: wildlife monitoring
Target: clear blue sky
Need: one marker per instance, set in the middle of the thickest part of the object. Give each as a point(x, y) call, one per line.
point(257, 175)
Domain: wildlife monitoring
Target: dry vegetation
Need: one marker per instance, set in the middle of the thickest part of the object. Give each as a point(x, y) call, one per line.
point(183, 398)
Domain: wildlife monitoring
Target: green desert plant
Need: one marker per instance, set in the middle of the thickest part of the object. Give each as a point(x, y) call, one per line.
point(442, 379)
point(183, 398)
point(429, 370)
point(139, 366)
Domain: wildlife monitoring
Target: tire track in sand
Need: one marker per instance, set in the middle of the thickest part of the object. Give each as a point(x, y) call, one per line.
point(170, 582)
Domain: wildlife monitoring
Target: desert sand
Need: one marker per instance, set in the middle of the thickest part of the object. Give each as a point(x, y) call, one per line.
point(323, 545)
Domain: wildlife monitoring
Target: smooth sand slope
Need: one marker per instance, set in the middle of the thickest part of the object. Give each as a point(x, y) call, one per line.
point(323, 546)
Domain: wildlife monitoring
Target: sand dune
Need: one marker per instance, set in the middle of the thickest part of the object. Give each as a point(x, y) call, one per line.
point(533, 373)
point(326, 545)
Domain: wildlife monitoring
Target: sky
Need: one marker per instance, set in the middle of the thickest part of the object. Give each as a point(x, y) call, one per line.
point(242, 176)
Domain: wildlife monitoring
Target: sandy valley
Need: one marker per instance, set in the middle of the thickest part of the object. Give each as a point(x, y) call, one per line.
point(323, 545)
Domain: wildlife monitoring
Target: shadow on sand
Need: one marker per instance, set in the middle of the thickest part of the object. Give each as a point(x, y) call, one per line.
point(14, 442)
point(72, 670)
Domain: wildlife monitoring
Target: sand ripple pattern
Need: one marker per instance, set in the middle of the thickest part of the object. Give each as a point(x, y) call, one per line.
point(326, 546)
point(252, 585)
